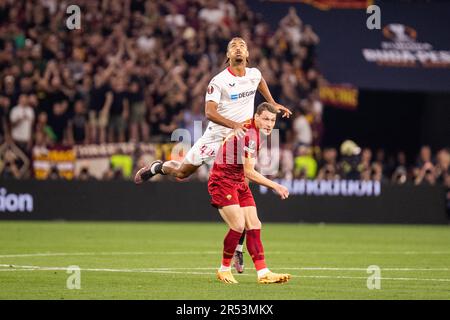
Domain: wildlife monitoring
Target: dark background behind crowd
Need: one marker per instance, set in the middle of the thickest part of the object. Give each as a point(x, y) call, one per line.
point(137, 70)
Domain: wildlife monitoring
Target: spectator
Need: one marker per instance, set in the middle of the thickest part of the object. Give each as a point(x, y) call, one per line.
point(302, 130)
point(22, 119)
point(328, 165)
point(193, 118)
point(400, 173)
point(78, 125)
point(139, 130)
point(4, 111)
point(424, 156)
point(426, 175)
point(54, 174)
point(44, 131)
point(117, 109)
point(400, 176)
point(84, 175)
point(58, 121)
point(9, 168)
point(442, 166)
point(350, 159)
point(305, 164)
point(211, 14)
point(286, 162)
point(366, 160)
point(97, 119)
point(328, 172)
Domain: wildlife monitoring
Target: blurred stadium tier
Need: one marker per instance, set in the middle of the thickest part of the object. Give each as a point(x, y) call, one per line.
point(83, 107)
point(150, 62)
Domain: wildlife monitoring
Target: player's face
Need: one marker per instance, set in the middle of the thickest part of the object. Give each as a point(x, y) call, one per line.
point(265, 122)
point(237, 51)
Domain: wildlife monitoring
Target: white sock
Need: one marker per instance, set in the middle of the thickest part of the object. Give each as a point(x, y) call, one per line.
point(263, 272)
point(223, 268)
point(152, 168)
point(239, 247)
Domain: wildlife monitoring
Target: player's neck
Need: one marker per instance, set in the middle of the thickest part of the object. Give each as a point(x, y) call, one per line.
point(237, 70)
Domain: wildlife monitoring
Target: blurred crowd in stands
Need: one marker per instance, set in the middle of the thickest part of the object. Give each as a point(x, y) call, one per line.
point(137, 70)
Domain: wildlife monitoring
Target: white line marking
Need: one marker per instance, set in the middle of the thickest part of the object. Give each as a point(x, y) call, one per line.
point(52, 254)
point(283, 268)
point(172, 271)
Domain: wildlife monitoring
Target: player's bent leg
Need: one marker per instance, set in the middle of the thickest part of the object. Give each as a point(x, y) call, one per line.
point(178, 170)
point(172, 167)
point(234, 218)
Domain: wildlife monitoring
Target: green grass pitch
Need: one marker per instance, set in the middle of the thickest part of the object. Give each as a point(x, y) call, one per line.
point(178, 261)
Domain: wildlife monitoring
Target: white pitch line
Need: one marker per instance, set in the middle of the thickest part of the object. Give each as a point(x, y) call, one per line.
point(282, 268)
point(170, 271)
point(54, 254)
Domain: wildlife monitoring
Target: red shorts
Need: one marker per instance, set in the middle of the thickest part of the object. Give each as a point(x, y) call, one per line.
point(226, 193)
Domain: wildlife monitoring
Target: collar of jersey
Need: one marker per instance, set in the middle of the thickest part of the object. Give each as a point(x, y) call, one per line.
point(229, 70)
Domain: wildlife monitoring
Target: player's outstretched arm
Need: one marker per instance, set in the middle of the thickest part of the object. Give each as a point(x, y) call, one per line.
point(255, 176)
point(213, 115)
point(263, 88)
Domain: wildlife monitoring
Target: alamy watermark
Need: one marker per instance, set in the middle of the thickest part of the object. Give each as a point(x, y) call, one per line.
point(268, 157)
point(73, 22)
point(74, 280)
point(374, 280)
point(374, 20)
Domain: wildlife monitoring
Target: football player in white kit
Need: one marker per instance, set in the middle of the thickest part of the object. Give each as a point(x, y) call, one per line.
point(230, 100)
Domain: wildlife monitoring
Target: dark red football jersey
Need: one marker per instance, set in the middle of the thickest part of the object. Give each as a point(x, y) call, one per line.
point(229, 164)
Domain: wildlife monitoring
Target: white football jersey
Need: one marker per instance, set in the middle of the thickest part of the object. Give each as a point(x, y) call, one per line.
point(235, 97)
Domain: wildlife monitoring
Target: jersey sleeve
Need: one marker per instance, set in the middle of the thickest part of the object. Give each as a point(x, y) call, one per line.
point(258, 74)
point(213, 92)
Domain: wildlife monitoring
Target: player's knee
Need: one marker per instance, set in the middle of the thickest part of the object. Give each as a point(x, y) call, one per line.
point(184, 171)
point(238, 226)
point(254, 225)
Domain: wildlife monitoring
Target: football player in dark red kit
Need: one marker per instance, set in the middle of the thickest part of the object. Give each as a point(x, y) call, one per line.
point(231, 195)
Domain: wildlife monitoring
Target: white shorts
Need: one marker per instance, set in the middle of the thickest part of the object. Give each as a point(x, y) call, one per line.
point(204, 150)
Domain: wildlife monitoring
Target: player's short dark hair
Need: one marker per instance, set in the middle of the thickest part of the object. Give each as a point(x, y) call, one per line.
point(265, 106)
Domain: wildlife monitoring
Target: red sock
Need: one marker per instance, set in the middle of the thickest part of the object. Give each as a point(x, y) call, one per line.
point(229, 245)
point(255, 248)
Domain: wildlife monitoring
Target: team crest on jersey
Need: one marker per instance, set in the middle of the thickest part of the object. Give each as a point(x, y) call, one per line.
point(251, 146)
point(210, 90)
point(229, 196)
